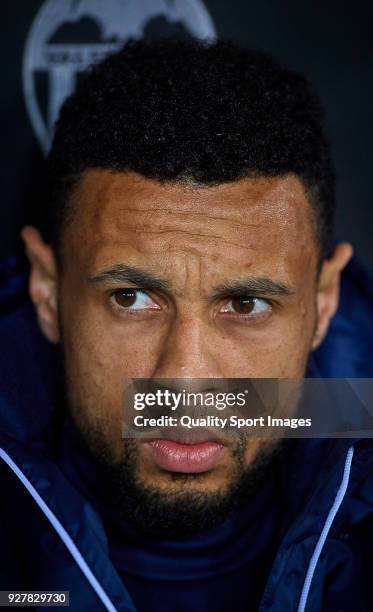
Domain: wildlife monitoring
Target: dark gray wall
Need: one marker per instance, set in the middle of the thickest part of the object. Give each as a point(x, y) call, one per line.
point(331, 42)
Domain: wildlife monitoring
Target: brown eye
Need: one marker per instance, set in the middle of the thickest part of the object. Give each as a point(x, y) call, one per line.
point(243, 305)
point(133, 299)
point(247, 306)
point(125, 297)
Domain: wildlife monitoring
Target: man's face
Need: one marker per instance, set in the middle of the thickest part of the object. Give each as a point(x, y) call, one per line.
point(171, 280)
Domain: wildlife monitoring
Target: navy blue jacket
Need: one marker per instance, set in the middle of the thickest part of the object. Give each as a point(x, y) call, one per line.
point(52, 538)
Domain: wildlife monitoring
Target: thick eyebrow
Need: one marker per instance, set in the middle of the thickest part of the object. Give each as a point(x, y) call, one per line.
point(253, 286)
point(121, 273)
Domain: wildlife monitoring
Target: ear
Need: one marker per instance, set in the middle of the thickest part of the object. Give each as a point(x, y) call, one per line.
point(328, 289)
point(42, 282)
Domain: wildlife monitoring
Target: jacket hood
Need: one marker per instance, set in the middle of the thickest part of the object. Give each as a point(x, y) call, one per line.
point(29, 382)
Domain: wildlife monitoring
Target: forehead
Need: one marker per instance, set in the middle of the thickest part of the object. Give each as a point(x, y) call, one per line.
point(251, 222)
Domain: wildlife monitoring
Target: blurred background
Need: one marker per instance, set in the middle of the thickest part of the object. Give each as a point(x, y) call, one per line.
point(46, 43)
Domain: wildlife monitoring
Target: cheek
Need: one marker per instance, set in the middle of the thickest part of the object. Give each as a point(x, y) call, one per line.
point(277, 350)
point(100, 353)
point(96, 339)
point(93, 379)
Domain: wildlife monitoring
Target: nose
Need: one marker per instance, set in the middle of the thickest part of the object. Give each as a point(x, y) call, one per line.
point(190, 350)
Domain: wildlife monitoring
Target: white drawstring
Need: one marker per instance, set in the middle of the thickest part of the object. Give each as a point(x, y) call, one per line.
point(65, 537)
point(324, 533)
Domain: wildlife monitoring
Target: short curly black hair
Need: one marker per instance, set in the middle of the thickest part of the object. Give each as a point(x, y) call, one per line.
point(210, 112)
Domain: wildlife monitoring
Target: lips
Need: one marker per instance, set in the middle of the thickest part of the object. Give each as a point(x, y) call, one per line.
point(176, 456)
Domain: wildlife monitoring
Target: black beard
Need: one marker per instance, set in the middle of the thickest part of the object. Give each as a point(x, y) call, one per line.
point(161, 513)
point(177, 514)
